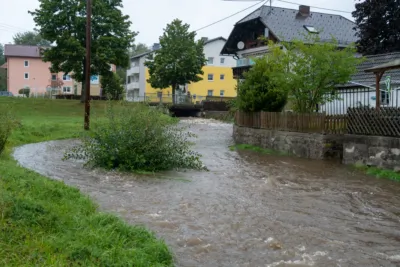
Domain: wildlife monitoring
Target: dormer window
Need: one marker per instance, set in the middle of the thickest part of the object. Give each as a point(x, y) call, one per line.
point(311, 29)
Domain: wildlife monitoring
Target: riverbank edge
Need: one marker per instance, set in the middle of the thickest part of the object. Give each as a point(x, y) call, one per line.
point(76, 206)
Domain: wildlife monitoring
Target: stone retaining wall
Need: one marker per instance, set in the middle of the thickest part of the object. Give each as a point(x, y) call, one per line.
point(377, 151)
point(306, 145)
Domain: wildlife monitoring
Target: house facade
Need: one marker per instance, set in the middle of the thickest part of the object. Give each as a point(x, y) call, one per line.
point(282, 24)
point(26, 69)
point(217, 78)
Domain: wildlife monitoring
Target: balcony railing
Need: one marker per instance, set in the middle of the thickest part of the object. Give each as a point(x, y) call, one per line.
point(244, 62)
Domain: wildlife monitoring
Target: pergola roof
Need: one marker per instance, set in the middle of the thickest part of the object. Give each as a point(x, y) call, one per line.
point(391, 65)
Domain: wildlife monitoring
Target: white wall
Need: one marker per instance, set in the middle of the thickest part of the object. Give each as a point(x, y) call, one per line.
point(213, 49)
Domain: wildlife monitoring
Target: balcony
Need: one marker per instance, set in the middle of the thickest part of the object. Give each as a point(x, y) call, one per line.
point(133, 70)
point(244, 62)
point(132, 86)
point(238, 71)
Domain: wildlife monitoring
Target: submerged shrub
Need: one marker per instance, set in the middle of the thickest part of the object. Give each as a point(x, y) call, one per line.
point(137, 138)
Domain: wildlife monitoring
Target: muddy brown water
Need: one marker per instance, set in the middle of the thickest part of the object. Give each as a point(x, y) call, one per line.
point(249, 209)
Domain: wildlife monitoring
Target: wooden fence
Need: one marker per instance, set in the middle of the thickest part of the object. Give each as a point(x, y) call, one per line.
point(368, 121)
point(293, 122)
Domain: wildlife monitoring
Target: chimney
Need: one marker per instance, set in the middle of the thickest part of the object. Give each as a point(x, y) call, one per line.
point(304, 11)
point(204, 39)
point(156, 46)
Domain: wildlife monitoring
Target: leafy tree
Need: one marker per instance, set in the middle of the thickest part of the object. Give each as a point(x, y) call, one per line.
point(112, 86)
point(3, 72)
point(138, 49)
point(111, 36)
point(30, 38)
point(311, 70)
point(378, 26)
point(180, 59)
point(258, 92)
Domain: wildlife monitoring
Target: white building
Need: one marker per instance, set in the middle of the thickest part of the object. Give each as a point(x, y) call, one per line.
point(218, 67)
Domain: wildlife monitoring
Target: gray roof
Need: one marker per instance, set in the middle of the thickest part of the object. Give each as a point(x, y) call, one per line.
point(21, 51)
point(367, 78)
point(286, 25)
point(215, 39)
point(142, 54)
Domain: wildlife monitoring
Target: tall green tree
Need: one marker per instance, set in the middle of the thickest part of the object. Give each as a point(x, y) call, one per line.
point(30, 38)
point(112, 86)
point(180, 59)
point(111, 36)
point(3, 72)
point(378, 26)
point(311, 72)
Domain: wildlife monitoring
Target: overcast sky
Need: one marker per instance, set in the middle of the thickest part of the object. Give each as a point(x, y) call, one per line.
point(149, 17)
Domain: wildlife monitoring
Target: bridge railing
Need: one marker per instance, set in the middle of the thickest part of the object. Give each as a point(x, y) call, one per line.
point(154, 98)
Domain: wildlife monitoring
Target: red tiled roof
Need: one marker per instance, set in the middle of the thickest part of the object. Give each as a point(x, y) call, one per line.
point(21, 51)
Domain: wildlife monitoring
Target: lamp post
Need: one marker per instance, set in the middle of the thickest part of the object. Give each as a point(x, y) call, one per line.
point(87, 68)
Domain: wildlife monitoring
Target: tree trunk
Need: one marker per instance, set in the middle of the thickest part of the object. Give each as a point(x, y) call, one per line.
point(83, 91)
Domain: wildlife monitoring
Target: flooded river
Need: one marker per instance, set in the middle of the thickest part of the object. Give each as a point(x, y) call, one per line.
point(249, 209)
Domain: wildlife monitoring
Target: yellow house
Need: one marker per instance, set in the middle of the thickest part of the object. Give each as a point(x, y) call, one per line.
point(217, 78)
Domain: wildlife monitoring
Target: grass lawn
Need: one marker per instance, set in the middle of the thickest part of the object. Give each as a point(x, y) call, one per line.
point(46, 223)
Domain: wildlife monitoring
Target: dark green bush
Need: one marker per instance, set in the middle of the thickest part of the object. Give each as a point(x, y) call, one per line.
point(137, 138)
point(258, 92)
point(24, 91)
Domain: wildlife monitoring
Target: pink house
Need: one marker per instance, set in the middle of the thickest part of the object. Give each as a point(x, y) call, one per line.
point(25, 69)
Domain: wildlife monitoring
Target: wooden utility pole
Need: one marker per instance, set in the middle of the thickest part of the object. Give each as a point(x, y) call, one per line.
point(87, 69)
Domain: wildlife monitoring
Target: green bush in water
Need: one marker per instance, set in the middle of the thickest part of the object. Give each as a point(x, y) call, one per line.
point(137, 138)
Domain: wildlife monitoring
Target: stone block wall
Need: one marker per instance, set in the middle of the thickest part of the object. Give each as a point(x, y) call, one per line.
point(306, 145)
point(376, 151)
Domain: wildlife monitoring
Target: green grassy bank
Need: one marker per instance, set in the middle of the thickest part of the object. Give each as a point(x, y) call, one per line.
point(46, 223)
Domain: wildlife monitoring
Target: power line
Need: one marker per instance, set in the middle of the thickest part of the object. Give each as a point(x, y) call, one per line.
point(322, 8)
point(209, 25)
point(5, 25)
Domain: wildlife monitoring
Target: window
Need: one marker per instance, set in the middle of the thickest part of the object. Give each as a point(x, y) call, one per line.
point(26, 75)
point(222, 77)
point(159, 94)
point(210, 92)
point(311, 29)
point(66, 77)
point(26, 63)
point(53, 77)
point(385, 98)
point(66, 89)
point(222, 60)
point(211, 77)
point(210, 61)
point(221, 92)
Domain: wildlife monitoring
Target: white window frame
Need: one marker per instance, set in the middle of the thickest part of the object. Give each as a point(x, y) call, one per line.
point(212, 77)
point(222, 60)
point(212, 61)
point(65, 76)
point(26, 65)
point(55, 77)
point(212, 92)
point(67, 91)
point(222, 77)
point(221, 92)
point(26, 75)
